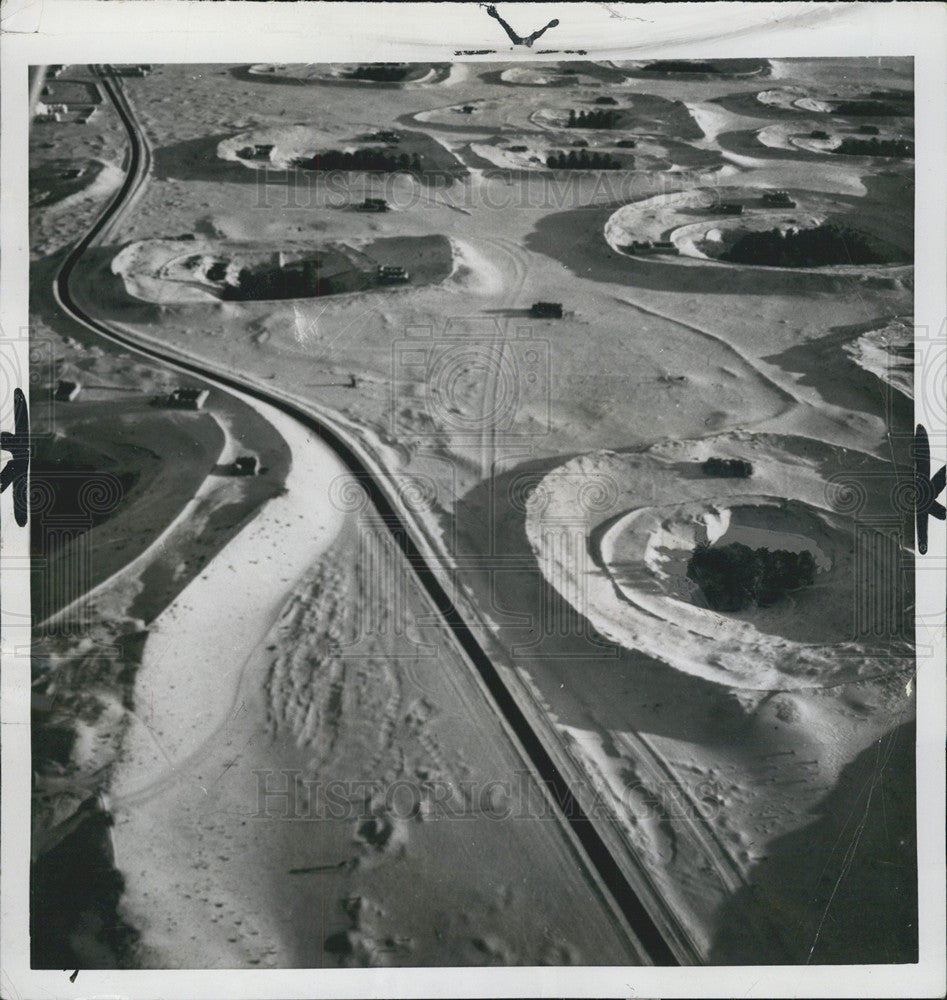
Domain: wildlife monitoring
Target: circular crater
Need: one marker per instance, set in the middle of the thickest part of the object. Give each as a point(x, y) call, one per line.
point(760, 228)
point(790, 240)
point(646, 552)
point(630, 578)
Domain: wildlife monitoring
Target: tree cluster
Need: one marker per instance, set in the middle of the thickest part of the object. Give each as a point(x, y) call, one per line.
point(876, 147)
point(593, 119)
point(379, 160)
point(582, 160)
point(729, 468)
point(734, 577)
point(680, 66)
point(816, 247)
point(859, 108)
point(380, 72)
point(275, 284)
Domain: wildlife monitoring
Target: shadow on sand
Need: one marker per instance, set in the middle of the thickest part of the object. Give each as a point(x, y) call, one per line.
point(846, 882)
point(539, 632)
point(587, 254)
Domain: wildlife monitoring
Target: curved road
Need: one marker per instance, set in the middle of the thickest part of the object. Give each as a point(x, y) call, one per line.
point(664, 941)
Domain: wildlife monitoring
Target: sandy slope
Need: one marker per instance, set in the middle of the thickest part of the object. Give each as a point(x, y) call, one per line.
point(384, 719)
point(179, 710)
point(628, 585)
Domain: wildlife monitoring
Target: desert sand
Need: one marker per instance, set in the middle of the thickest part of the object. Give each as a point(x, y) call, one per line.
point(559, 463)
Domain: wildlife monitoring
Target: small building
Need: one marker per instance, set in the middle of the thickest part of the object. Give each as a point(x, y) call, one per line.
point(467, 109)
point(392, 274)
point(374, 205)
point(246, 465)
point(66, 391)
point(727, 208)
point(780, 198)
point(385, 135)
point(546, 310)
point(188, 399)
point(259, 151)
point(644, 248)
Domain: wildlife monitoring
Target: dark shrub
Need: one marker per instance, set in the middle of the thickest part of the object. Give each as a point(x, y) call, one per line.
point(731, 468)
point(816, 247)
point(899, 148)
point(592, 119)
point(894, 106)
point(680, 66)
point(784, 571)
point(730, 577)
point(735, 576)
point(380, 72)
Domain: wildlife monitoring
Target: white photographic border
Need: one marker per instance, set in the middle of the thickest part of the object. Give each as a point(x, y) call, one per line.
point(168, 31)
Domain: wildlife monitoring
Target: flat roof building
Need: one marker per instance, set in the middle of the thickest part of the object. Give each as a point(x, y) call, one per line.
point(546, 310)
point(67, 390)
point(392, 274)
point(188, 399)
point(246, 465)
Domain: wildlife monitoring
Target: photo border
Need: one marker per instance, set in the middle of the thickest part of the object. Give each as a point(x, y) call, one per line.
point(82, 31)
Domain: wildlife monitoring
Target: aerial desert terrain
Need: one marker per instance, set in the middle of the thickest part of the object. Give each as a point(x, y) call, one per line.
point(436, 683)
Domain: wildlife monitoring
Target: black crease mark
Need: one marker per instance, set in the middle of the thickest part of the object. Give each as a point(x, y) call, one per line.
point(516, 39)
point(18, 445)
